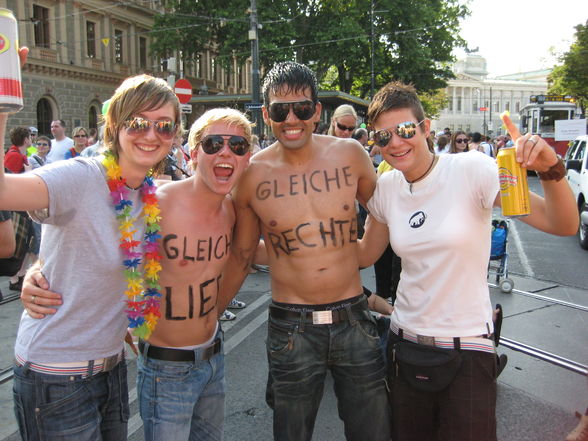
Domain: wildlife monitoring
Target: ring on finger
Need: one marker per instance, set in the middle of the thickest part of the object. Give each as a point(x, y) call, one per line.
point(533, 140)
point(33, 299)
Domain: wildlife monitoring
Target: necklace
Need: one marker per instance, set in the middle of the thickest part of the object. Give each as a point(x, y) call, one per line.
point(142, 303)
point(421, 177)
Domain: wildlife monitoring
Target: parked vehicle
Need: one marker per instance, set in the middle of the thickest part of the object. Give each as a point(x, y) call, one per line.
point(577, 176)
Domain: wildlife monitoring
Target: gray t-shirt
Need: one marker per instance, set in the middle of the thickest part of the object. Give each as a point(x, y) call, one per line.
point(82, 261)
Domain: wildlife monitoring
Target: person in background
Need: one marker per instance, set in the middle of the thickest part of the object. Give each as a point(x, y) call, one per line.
point(459, 142)
point(343, 121)
point(32, 148)
point(39, 158)
point(442, 144)
point(361, 136)
point(60, 143)
point(15, 159)
point(443, 237)
point(92, 137)
point(80, 136)
point(95, 149)
point(7, 239)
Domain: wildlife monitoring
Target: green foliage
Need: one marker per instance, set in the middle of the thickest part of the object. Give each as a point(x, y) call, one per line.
point(413, 39)
point(571, 78)
point(433, 102)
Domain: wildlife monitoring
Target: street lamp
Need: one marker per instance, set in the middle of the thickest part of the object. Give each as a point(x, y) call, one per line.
point(253, 36)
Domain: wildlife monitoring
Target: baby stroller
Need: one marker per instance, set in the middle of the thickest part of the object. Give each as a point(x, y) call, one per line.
point(498, 263)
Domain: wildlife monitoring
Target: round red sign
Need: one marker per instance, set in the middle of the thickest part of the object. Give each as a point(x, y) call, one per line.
point(183, 90)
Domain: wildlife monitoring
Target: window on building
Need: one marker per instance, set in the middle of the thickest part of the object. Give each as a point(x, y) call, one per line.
point(41, 21)
point(142, 53)
point(227, 77)
point(91, 39)
point(507, 106)
point(475, 105)
point(93, 118)
point(240, 77)
point(497, 106)
point(459, 104)
point(44, 116)
point(213, 69)
point(118, 46)
point(518, 106)
point(450, 104)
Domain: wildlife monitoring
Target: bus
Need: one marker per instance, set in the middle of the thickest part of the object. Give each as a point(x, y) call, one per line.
point(539, 116)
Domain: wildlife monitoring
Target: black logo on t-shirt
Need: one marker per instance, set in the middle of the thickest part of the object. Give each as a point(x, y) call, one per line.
point(417, 220)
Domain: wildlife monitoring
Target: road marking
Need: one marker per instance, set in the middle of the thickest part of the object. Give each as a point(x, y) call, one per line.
point(135, 423)
point(519, 246)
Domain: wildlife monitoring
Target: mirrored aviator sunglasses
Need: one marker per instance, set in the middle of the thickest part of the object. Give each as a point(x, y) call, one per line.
point(304, 110)
point(405, 130)
point(140, 126)
point(212, 144)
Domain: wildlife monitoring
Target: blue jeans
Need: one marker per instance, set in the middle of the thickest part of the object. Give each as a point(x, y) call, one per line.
point(299, 356)
point(71, 408)
point(180, 400)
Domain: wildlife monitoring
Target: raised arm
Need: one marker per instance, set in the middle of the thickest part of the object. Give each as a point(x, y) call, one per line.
point(556, 213)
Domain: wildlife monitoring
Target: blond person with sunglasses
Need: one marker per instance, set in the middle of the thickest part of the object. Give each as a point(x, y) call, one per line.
point(300, 194)
point(436, 213)
point(80, 137)
point(70, 372)
point(343, 121)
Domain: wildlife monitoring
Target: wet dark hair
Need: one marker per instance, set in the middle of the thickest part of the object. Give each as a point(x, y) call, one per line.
point(288, 76)
point(476, 137)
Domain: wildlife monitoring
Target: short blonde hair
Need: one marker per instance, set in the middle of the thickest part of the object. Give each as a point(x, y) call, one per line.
point(231, 117)
point(137, 94)
point(342, 110)
point(77, 131)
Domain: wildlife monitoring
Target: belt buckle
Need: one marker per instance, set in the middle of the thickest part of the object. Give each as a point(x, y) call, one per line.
point(425, 340)
point(322, 317)
point(110, 363)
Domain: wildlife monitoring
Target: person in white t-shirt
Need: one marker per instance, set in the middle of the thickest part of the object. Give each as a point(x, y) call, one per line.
point(60, 144)
point(436, 212)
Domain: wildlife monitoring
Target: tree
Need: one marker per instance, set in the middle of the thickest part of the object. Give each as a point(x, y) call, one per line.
point(571, 77)
point(413, 39)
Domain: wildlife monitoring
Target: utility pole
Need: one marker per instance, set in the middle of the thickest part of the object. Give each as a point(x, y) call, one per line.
point(255, 99)
point(372, 49)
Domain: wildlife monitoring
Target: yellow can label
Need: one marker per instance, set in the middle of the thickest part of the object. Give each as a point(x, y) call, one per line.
point(4, 43)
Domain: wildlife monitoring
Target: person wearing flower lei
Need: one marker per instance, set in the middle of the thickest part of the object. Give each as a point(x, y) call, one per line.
point(100, 221)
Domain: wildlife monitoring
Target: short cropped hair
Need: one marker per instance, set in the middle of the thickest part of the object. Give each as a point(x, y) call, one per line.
point(359, 133)
point(287, 77)
point(18, 135)
point(232, 117)
point(137, 94)
point(395, 95)
point(77, 130)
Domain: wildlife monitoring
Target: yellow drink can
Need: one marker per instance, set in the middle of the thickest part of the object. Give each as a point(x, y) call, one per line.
point(514, 189)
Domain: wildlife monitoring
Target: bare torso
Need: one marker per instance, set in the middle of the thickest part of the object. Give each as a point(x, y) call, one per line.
point(308, 219)
point(195, 246)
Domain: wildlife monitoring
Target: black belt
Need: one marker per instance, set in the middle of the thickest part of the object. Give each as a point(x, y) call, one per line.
point(170, 354)
point(359, 310)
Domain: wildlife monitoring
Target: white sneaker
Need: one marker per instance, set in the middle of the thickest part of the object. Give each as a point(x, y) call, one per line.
point(227, 316)
point(236, 304)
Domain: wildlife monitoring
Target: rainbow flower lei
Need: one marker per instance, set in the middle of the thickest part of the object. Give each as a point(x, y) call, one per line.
point(142, 303)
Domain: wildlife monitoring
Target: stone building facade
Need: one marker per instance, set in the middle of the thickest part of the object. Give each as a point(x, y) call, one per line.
point(475, 101)
point(81, 50)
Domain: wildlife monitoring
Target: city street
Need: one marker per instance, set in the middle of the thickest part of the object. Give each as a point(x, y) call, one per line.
point(536, 399)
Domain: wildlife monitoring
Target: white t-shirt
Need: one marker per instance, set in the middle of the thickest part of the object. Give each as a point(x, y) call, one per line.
point(441, 230)
point(58, 149)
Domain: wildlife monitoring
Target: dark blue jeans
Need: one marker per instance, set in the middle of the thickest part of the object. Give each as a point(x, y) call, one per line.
point(299, 356)
point(71, 408)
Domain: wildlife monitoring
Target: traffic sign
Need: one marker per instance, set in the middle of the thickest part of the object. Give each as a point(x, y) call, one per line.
point(186, 108)
point(253, 106)
point(483, 109)
point(183, 90)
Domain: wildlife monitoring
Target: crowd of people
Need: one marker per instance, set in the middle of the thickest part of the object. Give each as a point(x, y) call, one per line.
point(160, 263)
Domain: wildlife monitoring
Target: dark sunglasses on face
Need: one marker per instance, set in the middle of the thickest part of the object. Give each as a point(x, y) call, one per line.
point(405, 130)
point(140, 126)
point(212, 144)
point(342, 127)
point(461, 140)
point(80, 136)
point(304, 110)
point(42, 144)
